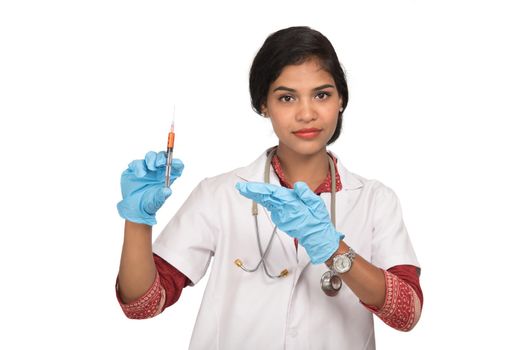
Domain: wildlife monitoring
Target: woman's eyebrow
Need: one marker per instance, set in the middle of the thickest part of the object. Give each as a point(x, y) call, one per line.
point(284, 88)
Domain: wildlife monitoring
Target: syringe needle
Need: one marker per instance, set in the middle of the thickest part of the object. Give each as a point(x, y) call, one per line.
point(173, 121)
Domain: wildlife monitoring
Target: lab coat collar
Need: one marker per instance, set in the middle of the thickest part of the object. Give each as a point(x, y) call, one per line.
point(255, 172)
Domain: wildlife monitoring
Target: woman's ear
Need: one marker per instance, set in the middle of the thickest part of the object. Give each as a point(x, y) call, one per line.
point(263, 109)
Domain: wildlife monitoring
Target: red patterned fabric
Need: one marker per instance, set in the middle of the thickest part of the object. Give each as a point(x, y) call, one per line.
point(402, 308)
point(172, 280)
point(146, 306)
point(323, 187)
point(410, 275)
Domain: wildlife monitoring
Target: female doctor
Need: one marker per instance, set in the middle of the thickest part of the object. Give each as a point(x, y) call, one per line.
point(305, 252)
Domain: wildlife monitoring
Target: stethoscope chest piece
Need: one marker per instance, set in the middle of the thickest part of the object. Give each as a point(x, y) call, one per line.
point(330, 283)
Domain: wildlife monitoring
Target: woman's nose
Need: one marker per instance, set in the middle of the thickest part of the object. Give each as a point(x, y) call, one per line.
point(306, 112)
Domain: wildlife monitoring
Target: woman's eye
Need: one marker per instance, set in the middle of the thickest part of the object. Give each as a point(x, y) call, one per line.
point(323, 95)
point(286, 98)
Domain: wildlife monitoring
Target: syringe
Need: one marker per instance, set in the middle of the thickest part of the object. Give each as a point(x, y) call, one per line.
point(169, 153)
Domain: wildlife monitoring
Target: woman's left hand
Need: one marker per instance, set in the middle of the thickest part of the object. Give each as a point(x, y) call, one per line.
point(300, 213)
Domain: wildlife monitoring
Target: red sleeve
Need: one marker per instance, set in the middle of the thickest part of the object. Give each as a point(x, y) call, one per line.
point(172, 280)
point(147, 305)
point(403, 300)
point(410, 275)
point(401, 309)
point(164, 292)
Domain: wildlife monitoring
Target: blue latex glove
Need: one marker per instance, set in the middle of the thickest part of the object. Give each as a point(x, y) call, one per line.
point(143, 187)
point(300, 213)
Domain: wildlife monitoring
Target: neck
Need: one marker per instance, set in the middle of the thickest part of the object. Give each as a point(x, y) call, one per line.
point(309, 168)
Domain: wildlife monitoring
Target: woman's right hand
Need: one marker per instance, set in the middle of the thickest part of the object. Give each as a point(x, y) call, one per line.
point(143, 187)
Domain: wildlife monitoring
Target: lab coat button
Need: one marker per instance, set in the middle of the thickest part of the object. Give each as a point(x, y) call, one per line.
point(293, 332)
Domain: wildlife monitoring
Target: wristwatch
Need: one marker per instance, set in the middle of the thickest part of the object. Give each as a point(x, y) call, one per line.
point(342, 263)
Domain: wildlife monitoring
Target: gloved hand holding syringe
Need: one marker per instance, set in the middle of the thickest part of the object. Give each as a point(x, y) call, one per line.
point(145, 183)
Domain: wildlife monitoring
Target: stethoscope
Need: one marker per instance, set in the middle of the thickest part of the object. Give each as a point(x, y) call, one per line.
point(330, 282)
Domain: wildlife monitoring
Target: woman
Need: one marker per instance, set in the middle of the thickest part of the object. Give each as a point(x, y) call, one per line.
point(357, 248)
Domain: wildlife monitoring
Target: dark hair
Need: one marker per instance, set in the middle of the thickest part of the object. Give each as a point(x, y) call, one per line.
point(292, 46)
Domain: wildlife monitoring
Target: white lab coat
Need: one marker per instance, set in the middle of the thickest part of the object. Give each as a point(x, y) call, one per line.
point(242, 310)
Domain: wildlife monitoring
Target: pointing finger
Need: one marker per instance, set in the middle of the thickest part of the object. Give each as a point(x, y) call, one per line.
point(260, 193)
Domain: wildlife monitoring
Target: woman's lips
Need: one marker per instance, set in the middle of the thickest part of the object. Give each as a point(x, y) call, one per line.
point(307, 133)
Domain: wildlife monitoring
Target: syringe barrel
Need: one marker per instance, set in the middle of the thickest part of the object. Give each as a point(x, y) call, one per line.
point(168, 166)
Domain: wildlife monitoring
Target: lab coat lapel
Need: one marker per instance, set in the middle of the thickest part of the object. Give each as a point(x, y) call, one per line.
point(303, 259)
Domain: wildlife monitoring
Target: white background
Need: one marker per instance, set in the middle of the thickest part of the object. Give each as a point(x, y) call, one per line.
point(87, 86)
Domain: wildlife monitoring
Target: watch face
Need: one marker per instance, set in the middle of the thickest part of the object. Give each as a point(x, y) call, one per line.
point(341, 263)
